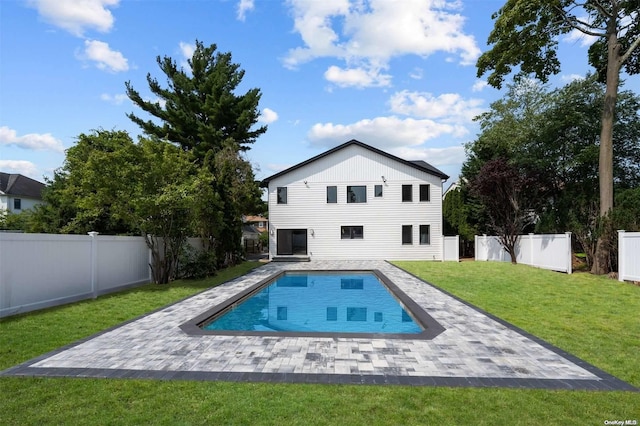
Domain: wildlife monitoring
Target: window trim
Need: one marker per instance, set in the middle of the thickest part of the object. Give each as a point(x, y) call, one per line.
point(410, 199)
point(375, 191)
point(350, 234)
point(278, 196)
point(428, 186)
point(410, 242)
point(356, 186)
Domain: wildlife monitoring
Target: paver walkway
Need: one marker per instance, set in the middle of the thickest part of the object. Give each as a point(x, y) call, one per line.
point(476, 349)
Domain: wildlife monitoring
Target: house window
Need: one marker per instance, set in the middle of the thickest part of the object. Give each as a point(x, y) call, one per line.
point(356, 194)
point(407, 193)
point(282, 195)
point(407, 234)
point(351, 232)
point(424, 192)
point(332, 194)
point(17, 204)
point(377, 191)
point(424, 234)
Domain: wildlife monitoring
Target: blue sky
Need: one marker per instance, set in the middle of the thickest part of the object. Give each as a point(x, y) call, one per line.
point(398, 75)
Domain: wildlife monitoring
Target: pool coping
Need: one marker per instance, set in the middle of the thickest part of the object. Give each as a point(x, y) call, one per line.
point(605, 381)
point(431, 327)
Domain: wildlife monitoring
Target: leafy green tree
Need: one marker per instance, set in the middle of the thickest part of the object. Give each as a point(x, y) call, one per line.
point(201, 113)
point(456, 212)
point(526, 33)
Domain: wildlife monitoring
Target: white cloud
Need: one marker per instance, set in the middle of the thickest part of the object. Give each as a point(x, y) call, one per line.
point(453, 155)
point(382, 132)
point(268, 116)
point(571, 77)
point(356, 77)
point(244, 6)
point(366, 34)
point(276, 167)
point(116, 99)
point(448, 107)
point(104, 58)
point(479, 85)
point(187, 49)
point(77, 16)
point(34, 141)
point(23, 167)
point(417, 73)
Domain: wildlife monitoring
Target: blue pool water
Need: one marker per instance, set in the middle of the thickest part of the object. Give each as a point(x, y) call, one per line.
point(320, 302)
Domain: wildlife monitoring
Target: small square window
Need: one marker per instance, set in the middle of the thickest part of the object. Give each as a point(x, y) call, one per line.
point(332, 194)
point(377, 191)
point(332, 314)
point(356, 314)
point(282, 313)
point(407, 193)
point(17, 204)
point(424, 192)
point(282, 195)
point(407, 234)
point(424, 234)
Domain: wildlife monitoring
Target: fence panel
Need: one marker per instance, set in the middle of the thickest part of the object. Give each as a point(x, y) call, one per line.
point(548, 251)
point(121, 262)
point(628, 256)
point(451, 248)
point(39, 270)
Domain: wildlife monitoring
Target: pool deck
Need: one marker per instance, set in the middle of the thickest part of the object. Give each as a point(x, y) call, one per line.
point(475, 350)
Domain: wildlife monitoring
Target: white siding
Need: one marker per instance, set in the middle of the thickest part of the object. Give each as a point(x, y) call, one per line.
point(381, 217)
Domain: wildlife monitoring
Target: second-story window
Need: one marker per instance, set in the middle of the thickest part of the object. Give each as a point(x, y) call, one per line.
point(407, 193)
point(357, 194)
point(332, 194)
point(424, 192)
point(377, 191)
point(282, 195)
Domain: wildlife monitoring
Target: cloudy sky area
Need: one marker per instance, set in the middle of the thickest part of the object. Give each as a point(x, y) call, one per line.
point(397, 75)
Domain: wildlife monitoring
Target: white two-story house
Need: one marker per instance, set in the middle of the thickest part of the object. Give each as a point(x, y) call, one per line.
point(19, 193)
point(356, 202)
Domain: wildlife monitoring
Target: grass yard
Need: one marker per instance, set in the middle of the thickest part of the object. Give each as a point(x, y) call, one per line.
point(595, 318)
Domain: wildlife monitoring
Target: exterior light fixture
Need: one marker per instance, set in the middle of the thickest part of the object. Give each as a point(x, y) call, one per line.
point(384, 179)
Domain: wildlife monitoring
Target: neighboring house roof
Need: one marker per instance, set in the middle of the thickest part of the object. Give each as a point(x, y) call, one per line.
point(250, 229)
point(455, 185)
point(420, 165)
point(251, 219)
point(18, 185)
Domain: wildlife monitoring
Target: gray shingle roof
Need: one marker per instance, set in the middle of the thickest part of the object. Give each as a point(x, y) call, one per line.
point(16, 184)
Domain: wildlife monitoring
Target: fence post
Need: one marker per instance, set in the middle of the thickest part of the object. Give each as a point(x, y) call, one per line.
point(621, 257)
point(531, 258)
point(94, 263)
point(569, 253)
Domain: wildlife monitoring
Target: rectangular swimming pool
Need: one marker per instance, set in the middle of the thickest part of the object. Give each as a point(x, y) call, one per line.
point(313, 303)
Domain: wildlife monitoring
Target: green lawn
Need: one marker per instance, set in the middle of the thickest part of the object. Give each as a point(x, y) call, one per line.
point(595, 318)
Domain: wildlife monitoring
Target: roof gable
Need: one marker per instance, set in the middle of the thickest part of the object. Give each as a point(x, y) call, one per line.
point(16, 184)
point(420, 165)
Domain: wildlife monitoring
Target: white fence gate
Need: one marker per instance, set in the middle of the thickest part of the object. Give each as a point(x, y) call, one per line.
point(628, 256)
point(547, 251)
point(451, 248)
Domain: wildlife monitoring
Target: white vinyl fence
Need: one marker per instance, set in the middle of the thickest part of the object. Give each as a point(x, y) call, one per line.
point(43, 270)
point(628, 256)
point(451, 247)
point(548, 251)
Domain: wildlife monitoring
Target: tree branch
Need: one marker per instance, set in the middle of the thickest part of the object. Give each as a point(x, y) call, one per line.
point(630, 50)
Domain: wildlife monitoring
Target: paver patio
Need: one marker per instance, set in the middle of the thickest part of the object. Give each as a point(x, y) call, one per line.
point(476, 349)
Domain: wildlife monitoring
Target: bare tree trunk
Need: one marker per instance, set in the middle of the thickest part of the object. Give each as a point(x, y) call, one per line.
point(605, 170)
